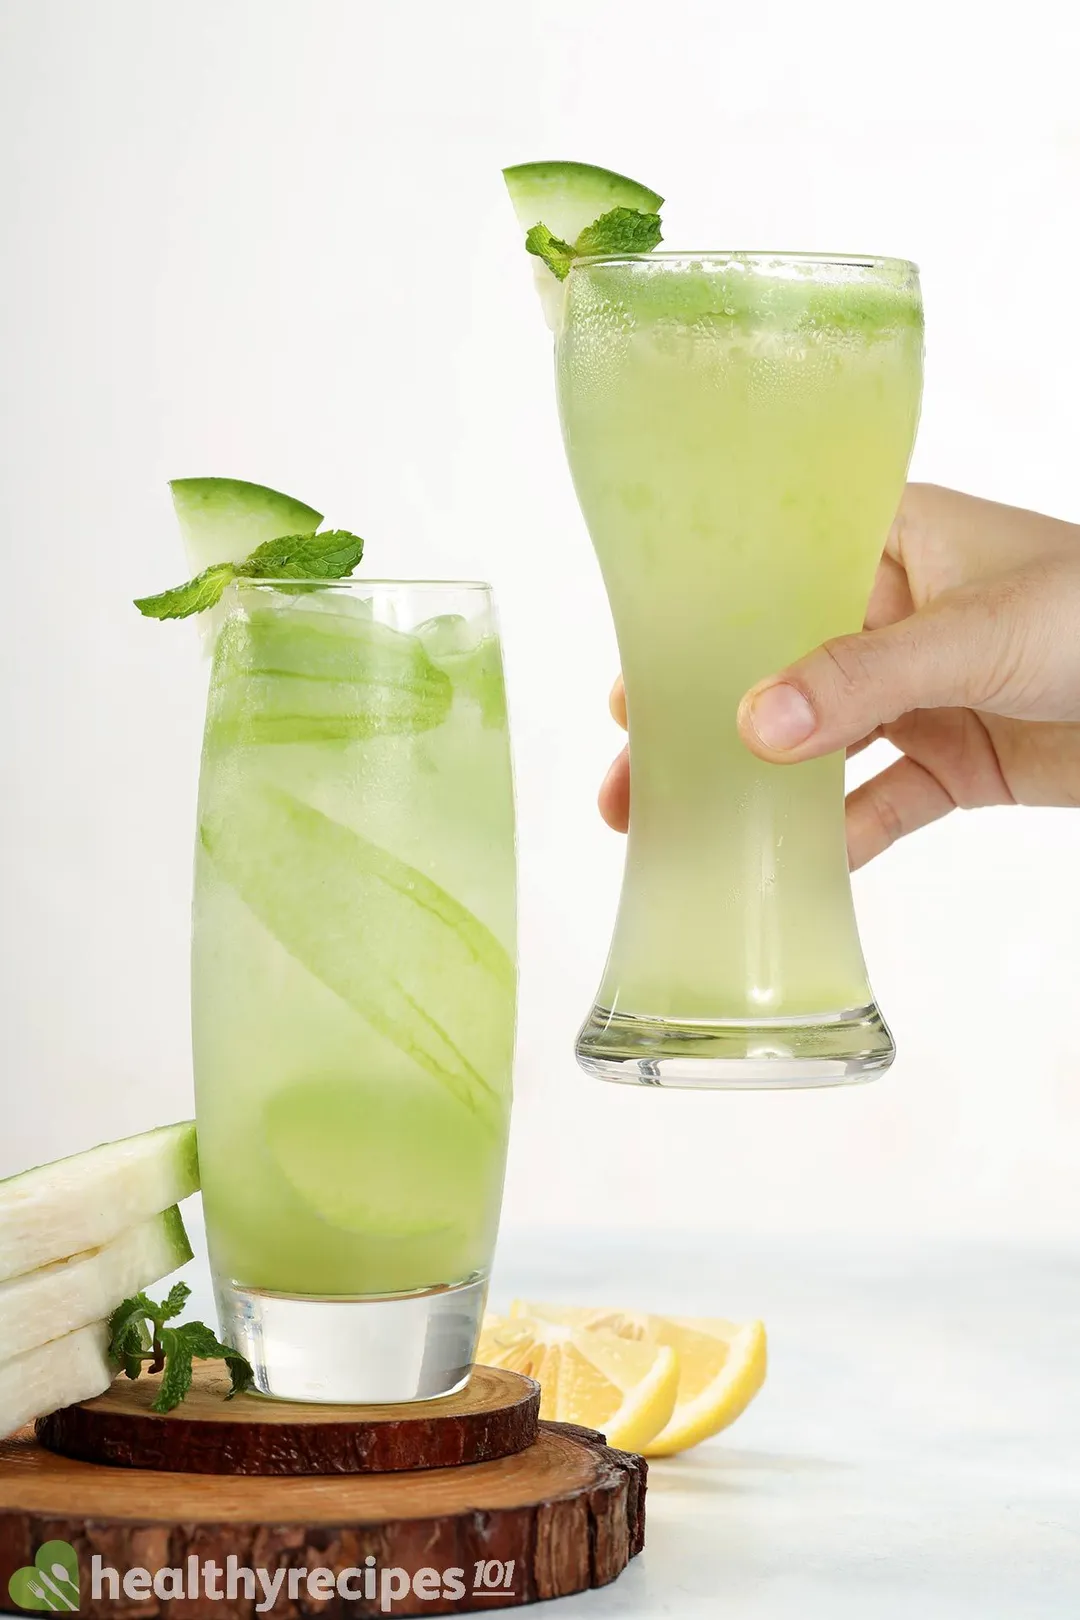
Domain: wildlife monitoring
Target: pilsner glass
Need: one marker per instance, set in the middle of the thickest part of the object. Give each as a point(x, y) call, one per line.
point(739, 428)
point(354, 981)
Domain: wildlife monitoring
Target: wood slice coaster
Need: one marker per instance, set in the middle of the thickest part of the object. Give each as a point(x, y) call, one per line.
point(565, 1515)
point(495, 1415)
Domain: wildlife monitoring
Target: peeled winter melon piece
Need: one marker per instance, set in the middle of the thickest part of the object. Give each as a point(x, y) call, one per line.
point(224, 519)
point(74, 1368)
point(566, 197)
point(63, 1209)
point(53, 1301)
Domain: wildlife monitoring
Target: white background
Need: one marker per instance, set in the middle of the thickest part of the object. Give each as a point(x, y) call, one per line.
point(270, 239)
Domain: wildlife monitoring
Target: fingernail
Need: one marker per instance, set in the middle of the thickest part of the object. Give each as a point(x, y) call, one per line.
point(782, 717)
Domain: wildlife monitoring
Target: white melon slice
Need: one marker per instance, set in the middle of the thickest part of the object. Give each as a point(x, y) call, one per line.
point(224, 520)
point(62, 1209)
point(566, 197)
point(55, 1300)
point(74, 1368)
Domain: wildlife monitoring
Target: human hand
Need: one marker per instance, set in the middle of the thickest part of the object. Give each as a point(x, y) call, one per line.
point(969, 664)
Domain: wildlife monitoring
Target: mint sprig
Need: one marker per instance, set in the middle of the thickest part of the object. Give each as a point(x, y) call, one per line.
point(138, 1333)
point(556, 254)
point(196, 596)
point(331, 554)
point(621, 230)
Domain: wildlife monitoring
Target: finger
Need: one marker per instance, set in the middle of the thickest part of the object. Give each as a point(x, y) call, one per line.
point(617, 703)
point(864, 742)
point(614, 798)
point(902, 799)
point(947, 537)
point(957, 748)
point(890, 598)
point(949, 654)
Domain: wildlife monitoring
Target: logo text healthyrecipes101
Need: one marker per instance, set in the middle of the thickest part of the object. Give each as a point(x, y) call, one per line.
point(52, 1582)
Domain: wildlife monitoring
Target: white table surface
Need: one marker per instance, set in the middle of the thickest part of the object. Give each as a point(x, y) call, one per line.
point(914, 1455)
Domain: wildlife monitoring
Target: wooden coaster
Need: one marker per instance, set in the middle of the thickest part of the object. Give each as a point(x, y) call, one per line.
point(565, 1515)
point(495, 1415)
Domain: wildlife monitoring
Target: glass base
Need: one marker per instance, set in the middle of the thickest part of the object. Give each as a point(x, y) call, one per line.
point(365, 1350)
point(824, 1049)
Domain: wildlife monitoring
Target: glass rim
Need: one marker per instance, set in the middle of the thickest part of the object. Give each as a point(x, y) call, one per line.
point(350, 582)
point(756, 256)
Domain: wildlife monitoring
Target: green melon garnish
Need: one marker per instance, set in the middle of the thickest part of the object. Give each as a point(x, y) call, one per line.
point(571, 210)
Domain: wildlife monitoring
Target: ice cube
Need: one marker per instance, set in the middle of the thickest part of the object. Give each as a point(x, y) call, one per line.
point(449, 634)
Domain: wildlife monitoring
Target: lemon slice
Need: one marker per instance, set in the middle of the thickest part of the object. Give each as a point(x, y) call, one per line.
point(722, 1364)
point(624, 1387)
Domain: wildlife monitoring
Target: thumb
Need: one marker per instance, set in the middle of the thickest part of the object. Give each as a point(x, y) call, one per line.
point(947, 655)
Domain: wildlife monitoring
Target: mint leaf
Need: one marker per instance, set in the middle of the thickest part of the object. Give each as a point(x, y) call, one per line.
point(175, 1300)
point(330, 555)
point(623, 230)
point(137, 1334)
point(176, 1380)
point(200, 1340)
point(129, 1347)
point(202, 1343)
point(196, 596)
point(556, 254)
point(129, 1339)
point(240, 1371)
point(132, 1360)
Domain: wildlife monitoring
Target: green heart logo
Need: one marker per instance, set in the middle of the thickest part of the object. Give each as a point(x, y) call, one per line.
point(50, 1583)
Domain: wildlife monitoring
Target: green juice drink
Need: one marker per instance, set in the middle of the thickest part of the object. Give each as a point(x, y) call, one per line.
point(739, 430)
point(353, 974)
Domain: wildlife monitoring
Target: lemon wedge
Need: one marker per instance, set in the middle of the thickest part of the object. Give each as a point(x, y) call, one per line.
point(622, 1386)
point(722, 1364)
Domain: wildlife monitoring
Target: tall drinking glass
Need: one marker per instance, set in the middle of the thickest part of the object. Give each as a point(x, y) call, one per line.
point(738, 428)
point(354, 981)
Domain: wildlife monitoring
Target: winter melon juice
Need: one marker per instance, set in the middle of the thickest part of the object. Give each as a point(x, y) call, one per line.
point(354, 946)
point(738, 430)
